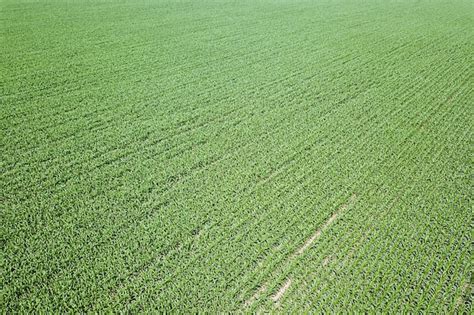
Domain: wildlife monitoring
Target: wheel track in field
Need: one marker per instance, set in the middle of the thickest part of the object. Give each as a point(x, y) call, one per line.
point(298, 252)
point(429, 114)
point(341, 268)
point(386, 159)
point(381, 185)
point(377, 128)
point(161, 255)
point(347, 242)
point(394, 248)
point(374, 260)
point(213, 162)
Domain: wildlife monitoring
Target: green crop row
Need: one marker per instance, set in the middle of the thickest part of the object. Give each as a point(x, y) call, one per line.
point(236, 156)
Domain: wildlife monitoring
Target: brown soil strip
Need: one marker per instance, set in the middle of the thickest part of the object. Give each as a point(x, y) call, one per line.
point(281, 291)
point(256, 295)
point(465, 291)
point(317, 234)
point(277, 296)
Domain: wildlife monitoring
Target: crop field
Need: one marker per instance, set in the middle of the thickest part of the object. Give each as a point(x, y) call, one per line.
point(236, 156)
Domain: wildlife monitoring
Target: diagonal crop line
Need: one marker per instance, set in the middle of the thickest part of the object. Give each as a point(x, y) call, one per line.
point(388, 157)
point(278, 295)
point(281, 291)
point(385, 253)
point(331, 219)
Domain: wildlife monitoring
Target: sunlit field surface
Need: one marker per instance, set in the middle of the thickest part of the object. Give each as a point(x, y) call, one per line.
point(236, 156)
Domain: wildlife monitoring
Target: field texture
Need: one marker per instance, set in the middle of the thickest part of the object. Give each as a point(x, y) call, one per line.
point(236, 155)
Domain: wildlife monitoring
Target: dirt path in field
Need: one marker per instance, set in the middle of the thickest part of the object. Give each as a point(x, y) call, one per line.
point(256, 295)
point(276, 297)
point(318, 232)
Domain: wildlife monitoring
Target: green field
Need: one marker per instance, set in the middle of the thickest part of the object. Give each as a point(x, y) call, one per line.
point(236, 156)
